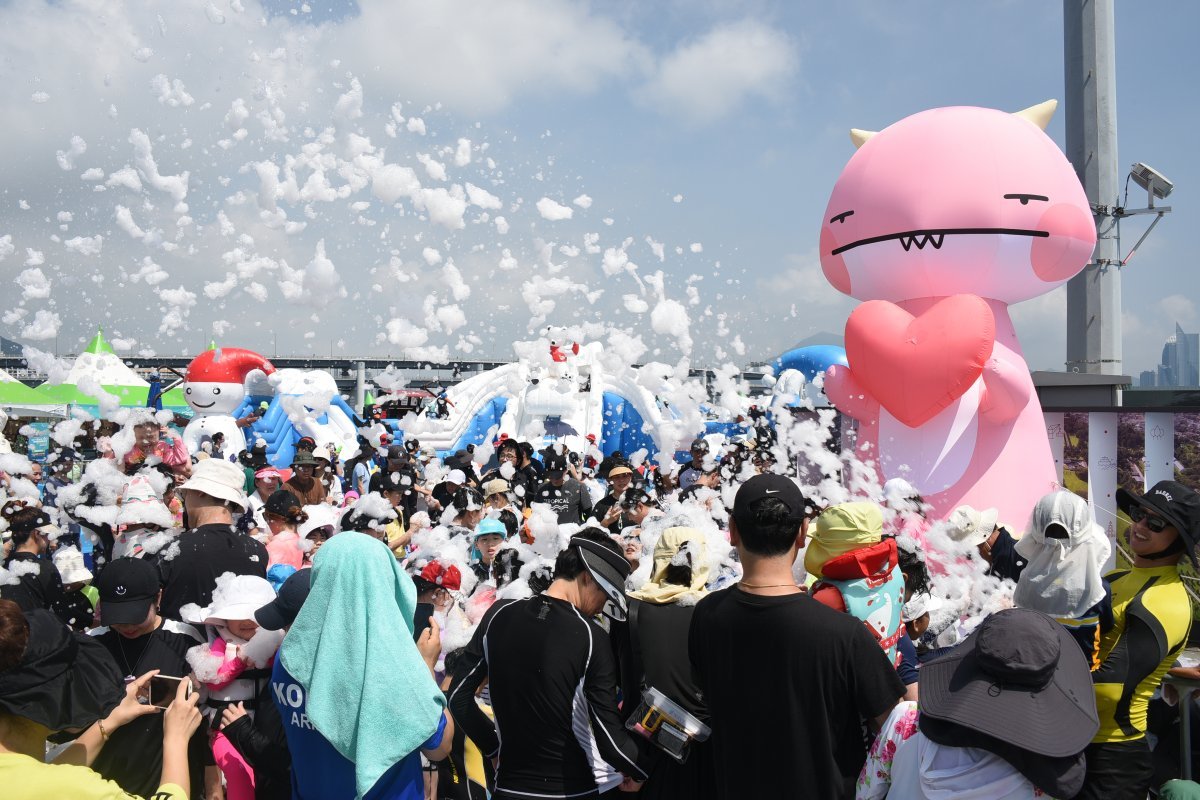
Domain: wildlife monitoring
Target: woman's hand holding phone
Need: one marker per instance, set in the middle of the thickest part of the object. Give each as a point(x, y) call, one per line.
point(132, 705)
point(182, 718)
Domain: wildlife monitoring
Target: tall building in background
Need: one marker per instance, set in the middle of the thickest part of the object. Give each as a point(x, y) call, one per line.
point(1148, 379)
point(1180, 363)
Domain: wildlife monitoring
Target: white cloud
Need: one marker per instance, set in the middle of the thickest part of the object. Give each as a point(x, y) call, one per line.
point(45, 325)
point(482, 198)
point(1042, 330)
point(553, 211)
point(481, 57)
point(34, 284)
point(1178, 308)
point(714, 75)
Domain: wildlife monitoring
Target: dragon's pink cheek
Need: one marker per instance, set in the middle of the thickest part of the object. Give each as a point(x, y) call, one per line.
point(1070, 243)
point(833, 266)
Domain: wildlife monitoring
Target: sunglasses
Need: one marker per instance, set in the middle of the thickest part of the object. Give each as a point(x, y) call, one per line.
point(1154, 523)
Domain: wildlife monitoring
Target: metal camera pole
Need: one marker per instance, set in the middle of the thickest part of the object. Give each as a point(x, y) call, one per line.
point(1094, 295)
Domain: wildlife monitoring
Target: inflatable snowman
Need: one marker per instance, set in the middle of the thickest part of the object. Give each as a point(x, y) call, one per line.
point(217, 382)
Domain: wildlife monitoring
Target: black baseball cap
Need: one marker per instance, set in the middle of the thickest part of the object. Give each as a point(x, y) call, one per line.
point(397, 453)
point(768, 485)
point(282, 611)
point(281, 503)
point(1175, 503)
point(127, 588)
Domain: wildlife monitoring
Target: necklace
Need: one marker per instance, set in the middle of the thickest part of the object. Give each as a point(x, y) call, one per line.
point(131, 672)
point(768, 585)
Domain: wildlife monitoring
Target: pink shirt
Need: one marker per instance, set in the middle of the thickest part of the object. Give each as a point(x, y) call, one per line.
point(284, 548)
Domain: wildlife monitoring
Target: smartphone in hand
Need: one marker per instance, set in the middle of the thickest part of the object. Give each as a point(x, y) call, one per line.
point(161, 690)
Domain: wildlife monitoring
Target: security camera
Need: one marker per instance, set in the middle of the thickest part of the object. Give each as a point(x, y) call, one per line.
point(1151, 180)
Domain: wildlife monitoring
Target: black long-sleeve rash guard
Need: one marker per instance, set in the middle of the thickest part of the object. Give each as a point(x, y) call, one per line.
point(552, 681)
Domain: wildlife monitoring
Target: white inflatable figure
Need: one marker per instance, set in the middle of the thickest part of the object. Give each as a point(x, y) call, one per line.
point(791, 385)
point(562, 351)
point(216, 383)
point(307, 396)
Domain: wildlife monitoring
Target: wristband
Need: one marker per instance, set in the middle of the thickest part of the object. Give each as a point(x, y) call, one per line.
point(103, 733)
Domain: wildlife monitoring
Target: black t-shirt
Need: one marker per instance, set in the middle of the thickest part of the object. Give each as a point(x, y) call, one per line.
point(661, 655)
point(206, 553)
point(553, 686)
point(571, 501)
point(788, 683)
point(40, 588)
point(602, 509)
point(132, 757)
point(443, 494)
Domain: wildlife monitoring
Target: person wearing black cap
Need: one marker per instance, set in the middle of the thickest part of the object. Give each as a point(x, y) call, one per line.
point(39, 585)
point(139, 639)
point(283, 514)
point(567, 496)
point(53, 680)
point(563, 735)
point(821, 672)
point(1006, 714)
point(1152, 617)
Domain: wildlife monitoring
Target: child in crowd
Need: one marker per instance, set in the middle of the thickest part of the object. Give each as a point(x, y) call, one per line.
point(235, 665)
point(141, 516)
point(488, 537)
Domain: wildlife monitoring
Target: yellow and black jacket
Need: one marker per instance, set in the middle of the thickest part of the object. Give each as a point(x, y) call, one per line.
point(1152, 618)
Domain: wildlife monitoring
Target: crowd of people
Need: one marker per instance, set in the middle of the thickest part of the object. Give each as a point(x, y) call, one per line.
point(516, 623)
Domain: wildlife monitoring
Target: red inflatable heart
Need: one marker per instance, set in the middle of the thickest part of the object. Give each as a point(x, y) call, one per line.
point(917, 366)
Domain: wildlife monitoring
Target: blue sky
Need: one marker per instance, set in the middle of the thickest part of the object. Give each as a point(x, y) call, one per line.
point(741, 108)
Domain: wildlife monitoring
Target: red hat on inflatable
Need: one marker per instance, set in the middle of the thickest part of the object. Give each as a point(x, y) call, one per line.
point(226, 365)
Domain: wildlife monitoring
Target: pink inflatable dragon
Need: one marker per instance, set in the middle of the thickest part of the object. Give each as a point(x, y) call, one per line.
point(938, 223)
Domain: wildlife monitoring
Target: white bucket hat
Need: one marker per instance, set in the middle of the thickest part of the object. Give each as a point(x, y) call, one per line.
point(972, 527)
point(69, 562)
point(321, 516)
point(220, 479)
point(237, 597)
